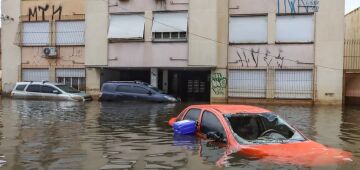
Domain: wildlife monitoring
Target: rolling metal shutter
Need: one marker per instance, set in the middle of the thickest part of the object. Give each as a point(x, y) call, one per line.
point(70, 32)
point(252, 29)
point(247, 83)
point(170, 22)
point(35, 74)
point(71, 72)
point(294, 84)
point(126, 27)
point(36, 33)
point(295, 28)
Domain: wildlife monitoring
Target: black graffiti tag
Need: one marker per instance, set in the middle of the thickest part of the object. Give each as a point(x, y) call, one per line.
point(41, 10)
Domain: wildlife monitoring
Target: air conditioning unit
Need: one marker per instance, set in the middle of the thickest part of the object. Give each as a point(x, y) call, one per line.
point(50, 52)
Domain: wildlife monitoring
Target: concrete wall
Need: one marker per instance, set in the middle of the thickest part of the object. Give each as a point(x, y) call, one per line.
point(290, 52)
point(203, 25)
point(11, 54)
point(32, 10)
point(148, 54)
point(329, 50)
point(116, 6)
point(97, 22)
point(67, 57)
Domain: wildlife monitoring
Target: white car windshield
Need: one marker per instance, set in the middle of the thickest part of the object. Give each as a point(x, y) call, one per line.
point(265, 128)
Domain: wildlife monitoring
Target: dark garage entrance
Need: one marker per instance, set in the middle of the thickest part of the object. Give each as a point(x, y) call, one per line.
point(190, 85)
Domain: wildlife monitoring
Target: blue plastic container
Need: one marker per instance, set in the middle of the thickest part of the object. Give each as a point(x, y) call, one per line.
point(185, 127)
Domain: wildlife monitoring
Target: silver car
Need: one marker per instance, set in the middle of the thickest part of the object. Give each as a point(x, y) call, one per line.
point(48, 91)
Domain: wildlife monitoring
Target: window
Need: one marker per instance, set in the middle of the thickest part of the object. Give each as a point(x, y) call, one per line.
point(70, 32)
point(124, 89)
point(72, 77)
point(249, 29)
point(127, 26)
point(247, 83)
point(140, 90)
point(170, 26)
point(193, 114)
point(210, 123)
point(47, 89)
point(295, 28)
point(20, 87)
point(294, 84)
point(35, 34)
point(35, 74)
point(33, 88)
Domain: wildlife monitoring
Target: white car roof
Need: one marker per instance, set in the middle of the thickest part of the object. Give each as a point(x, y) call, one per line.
point(38, 82)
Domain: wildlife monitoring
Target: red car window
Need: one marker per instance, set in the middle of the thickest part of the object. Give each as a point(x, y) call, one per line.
point(210, 123)
point(193, 114)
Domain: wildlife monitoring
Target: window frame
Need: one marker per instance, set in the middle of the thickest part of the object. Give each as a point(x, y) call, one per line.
point(250, 16)
point(27, 89)
point(178, 32)
point(225, 137)
point(23, 87)
point(56, 33)
point(25, 44)
point(188, 111)
point(312, 15)
point(51, 92)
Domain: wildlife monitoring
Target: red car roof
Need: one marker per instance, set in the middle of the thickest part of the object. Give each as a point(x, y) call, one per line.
point(234, 109)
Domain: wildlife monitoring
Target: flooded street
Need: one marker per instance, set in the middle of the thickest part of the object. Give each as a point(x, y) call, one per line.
point(68, 135)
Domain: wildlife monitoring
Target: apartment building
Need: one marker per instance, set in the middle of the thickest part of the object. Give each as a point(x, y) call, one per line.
point(352, 58)
point(45, 41)
point(214, 50)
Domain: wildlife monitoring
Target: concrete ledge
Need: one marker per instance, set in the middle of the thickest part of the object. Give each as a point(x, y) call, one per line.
point(270, 101)
point(218, 100)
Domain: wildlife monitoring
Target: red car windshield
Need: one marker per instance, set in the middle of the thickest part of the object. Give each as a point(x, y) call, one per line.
point(265, 128)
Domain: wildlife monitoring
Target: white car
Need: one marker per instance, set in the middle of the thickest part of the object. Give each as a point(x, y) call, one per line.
point(48, 91)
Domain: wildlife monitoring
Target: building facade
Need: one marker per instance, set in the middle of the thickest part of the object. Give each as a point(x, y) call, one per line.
point(210, 50)
point(48, 44)
point(352, 58)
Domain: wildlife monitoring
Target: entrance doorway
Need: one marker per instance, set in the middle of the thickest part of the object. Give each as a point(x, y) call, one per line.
point(190, 85)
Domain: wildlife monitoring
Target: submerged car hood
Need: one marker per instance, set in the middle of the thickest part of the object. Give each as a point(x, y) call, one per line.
point(307, 153)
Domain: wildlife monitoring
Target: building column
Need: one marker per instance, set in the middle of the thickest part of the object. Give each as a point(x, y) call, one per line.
point(165, 81)
point(270, 84)
point(154, 73)
point(93, 81)
point(52, 73)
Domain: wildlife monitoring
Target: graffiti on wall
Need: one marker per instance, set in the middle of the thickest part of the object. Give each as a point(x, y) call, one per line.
point(39, 12)
point(218, 83)
point(297, 6)
point(250, 58)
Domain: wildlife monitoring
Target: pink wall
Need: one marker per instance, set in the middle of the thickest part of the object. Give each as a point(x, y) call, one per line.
point(116, 6)
point(272, 6)
point(284, 55)
point(148, 54)
point(67, 57)
point(252, 6)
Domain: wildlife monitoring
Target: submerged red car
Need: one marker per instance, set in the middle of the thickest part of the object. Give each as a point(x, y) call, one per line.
point(258, 133)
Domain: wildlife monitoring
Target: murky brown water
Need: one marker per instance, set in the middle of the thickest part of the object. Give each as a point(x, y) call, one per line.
point(67, 135)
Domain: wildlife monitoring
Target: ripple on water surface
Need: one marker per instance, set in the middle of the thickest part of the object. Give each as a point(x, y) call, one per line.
point(68, 135)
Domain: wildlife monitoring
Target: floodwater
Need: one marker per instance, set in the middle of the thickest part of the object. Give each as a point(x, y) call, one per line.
point(93, 135)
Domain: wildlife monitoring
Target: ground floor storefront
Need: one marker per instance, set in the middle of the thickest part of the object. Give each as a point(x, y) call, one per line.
point(228, 85)
point(187, 84)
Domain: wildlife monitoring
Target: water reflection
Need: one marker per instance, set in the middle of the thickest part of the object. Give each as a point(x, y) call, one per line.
point(68, 135)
